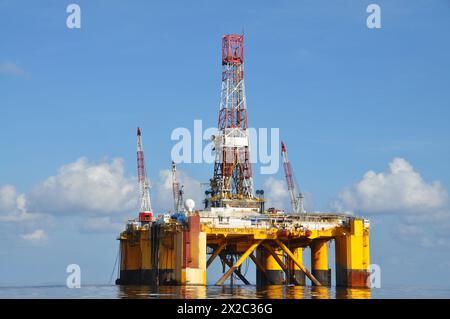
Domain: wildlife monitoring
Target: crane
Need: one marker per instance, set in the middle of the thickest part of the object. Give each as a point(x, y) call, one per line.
point(294, 192)
point(177, 190)
point(145, 210)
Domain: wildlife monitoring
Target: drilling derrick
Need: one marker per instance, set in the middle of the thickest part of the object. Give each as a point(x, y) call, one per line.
point(145, 211)
point(232, 184)
point(295, 194)
point(177, 190)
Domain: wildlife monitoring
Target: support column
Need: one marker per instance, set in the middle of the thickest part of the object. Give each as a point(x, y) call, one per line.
point(190, 249)
point(298, 273)
point(149, 271)
point(353, 256)
point(167, 260)
point(319, 261)
point(273, 271)
point(135, 259)
point(130, 261)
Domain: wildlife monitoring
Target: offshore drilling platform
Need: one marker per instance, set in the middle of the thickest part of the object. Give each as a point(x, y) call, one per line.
point(172, 249)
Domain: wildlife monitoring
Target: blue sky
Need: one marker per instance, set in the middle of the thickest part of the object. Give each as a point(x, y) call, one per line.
point(347, 100)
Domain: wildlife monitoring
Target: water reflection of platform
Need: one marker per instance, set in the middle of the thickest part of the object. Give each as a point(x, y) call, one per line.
point(249, 292)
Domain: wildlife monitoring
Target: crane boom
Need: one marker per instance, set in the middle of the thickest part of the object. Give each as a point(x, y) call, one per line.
point(177, 190)
point(295, 194)
point(144, 188)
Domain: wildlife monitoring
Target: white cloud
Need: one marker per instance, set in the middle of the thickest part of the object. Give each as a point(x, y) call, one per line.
point(38, 237)
point(15, 218)
point(84, 187)
point(276, 193)
point(100, 193)
point(10, 68)
point(399, 190)
point(13, 206)
point(79, 187)
point(423, 207)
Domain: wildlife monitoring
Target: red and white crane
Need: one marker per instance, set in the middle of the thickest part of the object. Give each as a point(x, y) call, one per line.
point(294, 191)
point(145, 210)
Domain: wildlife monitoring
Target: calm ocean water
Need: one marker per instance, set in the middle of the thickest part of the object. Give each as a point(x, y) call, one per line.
point(215, 292)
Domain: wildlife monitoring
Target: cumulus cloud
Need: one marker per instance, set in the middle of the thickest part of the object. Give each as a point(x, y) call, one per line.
point(13, 206)
point(103, 189)
point(15, 217)
point(399, 190)
point(9, 68)
point(38, 237)
point(423, 207)
point(85, 187)
point(99, 193)
point(93, 189)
